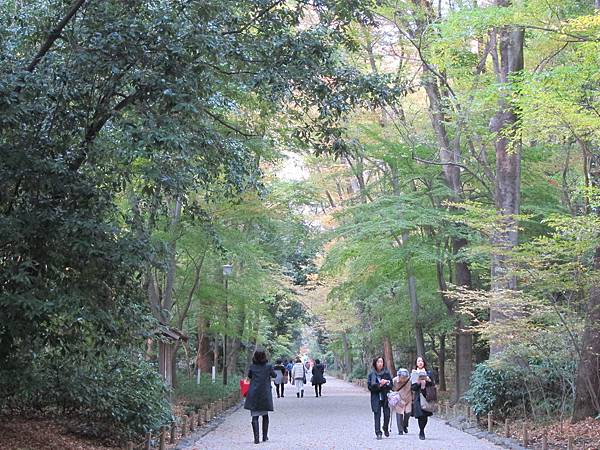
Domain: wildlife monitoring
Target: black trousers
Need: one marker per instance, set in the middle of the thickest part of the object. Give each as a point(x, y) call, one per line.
point(422, 423)
point(318, 389)
point(386, 417)
point(279, 387)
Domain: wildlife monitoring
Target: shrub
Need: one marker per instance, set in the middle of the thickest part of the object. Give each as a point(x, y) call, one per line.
point(194, 396)
point(523, 386)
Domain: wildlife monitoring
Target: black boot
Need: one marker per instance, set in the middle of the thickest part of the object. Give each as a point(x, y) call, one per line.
point(265, 428)
point(302, 393)
point(298, 394)
point(255, 430)
point(406, 417)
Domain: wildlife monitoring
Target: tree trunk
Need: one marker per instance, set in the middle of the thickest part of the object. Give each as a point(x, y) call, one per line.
point(508, 173)
point(414, 304)
point(347, 354)
point(442, 362)
point(388, 354)
point(203, 356)
point(587, 385)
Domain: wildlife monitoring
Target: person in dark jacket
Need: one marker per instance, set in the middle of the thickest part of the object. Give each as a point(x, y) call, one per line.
point(279, 382)
point(317, 377)
point(420, 379)
point(260, 398)
point(380, 383)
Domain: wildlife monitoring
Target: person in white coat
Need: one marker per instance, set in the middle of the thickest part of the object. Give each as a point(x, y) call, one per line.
point(299, 377)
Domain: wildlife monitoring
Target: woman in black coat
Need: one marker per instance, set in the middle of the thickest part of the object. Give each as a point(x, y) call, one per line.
point(259, 399)
point(420, 379)
point(380, 383)
point(317, 377)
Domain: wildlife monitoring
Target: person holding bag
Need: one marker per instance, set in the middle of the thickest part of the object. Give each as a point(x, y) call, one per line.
point(380, 383)
point(259, 399)
point(280, 378)
point(402, 388)
point(317, 377)
point(425, 394)
point(299, 377)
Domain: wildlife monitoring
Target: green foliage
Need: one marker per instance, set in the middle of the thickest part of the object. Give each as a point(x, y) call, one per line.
point(195, 396)
point(530, 385)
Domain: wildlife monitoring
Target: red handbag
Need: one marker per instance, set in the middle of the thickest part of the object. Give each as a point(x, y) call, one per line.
point(244, 386)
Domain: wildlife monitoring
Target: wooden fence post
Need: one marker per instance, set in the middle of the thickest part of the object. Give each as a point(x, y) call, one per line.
point(148, 443)
point(192, 422)
point(525, 435)
point(161, 442)
point(183, 426)
point(571, 444)
point(173, 426)
point(506, 428)
point(490, 423)
point(447, 409)
point(130, 445)
point(455, 410)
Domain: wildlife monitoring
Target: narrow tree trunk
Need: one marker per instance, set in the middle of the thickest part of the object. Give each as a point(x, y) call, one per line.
point(347, 354)
point(508, 174)
point(414, 304)
point(442, 361)
point(388, 354)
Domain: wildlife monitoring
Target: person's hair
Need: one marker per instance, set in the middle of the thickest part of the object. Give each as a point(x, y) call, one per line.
point(377, 358)
point(298, 359)
point(259, 357)
point(317, 361)
point(424, 362)
point(278, 361)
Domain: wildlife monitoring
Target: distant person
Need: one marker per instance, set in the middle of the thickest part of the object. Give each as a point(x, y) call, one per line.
point(403, 408)
point(259, 399)
point(318, 378)
point(279, 381)
point(299, 377)
point(380, 383)
point(421, 379)
point(289, 367)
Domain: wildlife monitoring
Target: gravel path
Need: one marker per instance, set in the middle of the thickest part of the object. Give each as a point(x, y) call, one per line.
point(340, 419)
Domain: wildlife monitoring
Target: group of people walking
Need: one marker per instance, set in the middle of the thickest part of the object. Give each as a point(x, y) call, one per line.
point(259, 399)
point(407, 394)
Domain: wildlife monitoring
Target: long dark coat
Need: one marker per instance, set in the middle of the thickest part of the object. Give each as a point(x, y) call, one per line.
point(416, 406)
point(317, 374)
point(375, 389)
point(260, 396)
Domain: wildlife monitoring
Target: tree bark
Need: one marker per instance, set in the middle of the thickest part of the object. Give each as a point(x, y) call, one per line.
point(508, 173)
point(442, 361)
point(203, 360)
point(347, 354)
point(587, 384)
point(388, 354)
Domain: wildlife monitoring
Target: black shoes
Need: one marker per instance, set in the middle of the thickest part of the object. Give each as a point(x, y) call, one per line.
point(298, 394)
point(422, 436)
point(378, 436)
point(386, 432)
point(302, 393)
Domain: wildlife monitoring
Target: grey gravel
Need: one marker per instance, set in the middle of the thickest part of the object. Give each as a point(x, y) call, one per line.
point(340, 419)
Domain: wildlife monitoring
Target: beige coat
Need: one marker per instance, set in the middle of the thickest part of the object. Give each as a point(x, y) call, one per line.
point(405, 405)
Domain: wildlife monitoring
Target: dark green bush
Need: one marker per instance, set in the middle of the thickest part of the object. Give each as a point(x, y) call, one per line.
point(110, 395)
point(524, 386)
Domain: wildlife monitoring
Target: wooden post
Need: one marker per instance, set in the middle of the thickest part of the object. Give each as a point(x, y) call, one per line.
point(173, 426)
point(447, 409)
point(571, 444)
point(455, 410)
point(468, 413)
point(130, 445)
point(161, 442)
point(192, 422)
point(200, 417)
point(545, 440)
point(490, 423)
point(148, 444)
point(525, 435)
point(183, 426)
point(506, 428)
